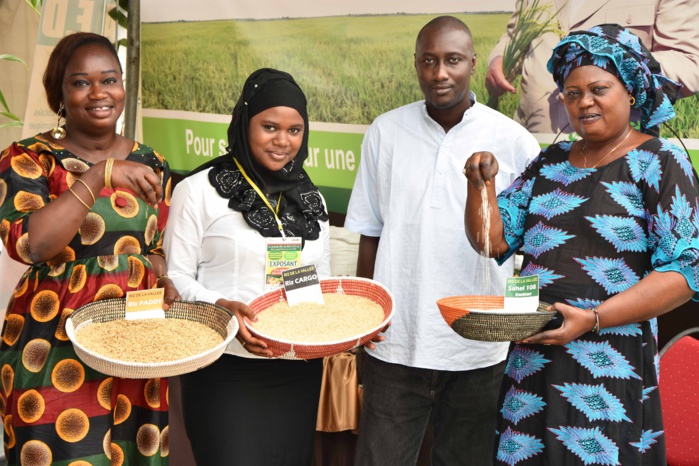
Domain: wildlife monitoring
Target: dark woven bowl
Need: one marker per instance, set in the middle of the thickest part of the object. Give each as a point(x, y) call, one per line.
point(363, 287)
point(462, 314)
point(211, 315)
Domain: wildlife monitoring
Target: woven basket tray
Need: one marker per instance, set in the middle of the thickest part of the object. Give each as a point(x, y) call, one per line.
point(211, 315)
point(364, 287)
point(458, 312)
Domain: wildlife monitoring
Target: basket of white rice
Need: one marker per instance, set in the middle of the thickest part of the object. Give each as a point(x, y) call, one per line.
point(354, 312)
point(191, 336)
point(483, 318)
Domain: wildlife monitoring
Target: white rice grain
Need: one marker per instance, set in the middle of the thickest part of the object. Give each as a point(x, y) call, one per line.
point(342, 317)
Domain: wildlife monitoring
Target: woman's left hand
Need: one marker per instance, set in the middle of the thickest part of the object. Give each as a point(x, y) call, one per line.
point(171, 294)
point(251, 343)
point(576, 322)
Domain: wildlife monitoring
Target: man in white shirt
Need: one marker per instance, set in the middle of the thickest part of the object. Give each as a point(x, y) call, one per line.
point(408, 203)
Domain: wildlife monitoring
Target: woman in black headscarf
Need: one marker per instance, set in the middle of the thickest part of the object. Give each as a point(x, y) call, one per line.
point(227, 217)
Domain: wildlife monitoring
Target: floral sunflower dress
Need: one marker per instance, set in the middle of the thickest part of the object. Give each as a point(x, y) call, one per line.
point(590, 234)
point(56, 409)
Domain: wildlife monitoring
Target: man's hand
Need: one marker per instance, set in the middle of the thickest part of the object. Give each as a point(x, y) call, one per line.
point(495, 80)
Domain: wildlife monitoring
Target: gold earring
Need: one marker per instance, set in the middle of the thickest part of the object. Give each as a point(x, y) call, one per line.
point(58, 132)
point(633, 101)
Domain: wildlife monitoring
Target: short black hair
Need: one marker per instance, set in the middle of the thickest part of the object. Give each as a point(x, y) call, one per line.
point(444, 22)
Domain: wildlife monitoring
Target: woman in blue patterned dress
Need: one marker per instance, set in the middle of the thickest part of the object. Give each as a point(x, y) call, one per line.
point(610, 224)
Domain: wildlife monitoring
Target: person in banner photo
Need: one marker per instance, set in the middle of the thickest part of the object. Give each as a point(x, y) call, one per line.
point(84, 208)
point(232, 220)
point(668, 28)
point(407, 203)
point(610, 224)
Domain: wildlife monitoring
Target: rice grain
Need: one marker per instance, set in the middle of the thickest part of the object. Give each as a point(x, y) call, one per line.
point(148, 340)
point(342, 317)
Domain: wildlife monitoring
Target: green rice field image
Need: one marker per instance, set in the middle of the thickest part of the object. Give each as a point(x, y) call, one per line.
point(351, 68)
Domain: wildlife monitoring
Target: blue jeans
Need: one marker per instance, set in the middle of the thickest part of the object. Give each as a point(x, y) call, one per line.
point(400, 401)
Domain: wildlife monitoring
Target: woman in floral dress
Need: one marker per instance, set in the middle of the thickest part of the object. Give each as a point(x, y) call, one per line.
point(85, 209)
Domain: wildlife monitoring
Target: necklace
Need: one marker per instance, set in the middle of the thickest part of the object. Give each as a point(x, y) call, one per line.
point(582, 151)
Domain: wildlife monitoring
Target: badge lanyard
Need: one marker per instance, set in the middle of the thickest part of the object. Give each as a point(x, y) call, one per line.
point(275, 212)
point(283, 253)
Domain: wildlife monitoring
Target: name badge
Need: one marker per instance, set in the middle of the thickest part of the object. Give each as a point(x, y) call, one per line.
point(282, 254)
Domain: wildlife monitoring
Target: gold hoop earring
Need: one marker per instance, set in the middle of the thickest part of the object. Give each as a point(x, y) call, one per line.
point(58, 132)
point(633, 101)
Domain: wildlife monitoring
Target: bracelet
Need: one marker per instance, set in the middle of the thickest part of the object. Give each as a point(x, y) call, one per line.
point(108, 173)
point(79, 198)
point(88, 190)
point(595, 329)
point(157, 279)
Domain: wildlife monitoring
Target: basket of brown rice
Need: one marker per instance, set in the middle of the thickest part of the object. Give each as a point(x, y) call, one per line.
point(192, 335)
point(483, 318)
point(355, 311)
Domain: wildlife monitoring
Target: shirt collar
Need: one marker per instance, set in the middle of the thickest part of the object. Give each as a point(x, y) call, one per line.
point(464, 117)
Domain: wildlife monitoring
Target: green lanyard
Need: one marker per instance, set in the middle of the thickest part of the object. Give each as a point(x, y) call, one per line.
point(264, 198)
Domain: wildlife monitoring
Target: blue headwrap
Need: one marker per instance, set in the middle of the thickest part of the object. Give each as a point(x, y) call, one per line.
point(618, 51)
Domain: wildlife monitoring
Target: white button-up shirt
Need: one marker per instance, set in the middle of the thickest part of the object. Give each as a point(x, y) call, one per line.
point(411, 192)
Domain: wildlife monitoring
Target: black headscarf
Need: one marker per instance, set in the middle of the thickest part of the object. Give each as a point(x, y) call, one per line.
point(301, 207)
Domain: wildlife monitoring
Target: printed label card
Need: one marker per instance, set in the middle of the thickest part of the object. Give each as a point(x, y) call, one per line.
point(145, 304)
point(522, 294)
point(302, 285)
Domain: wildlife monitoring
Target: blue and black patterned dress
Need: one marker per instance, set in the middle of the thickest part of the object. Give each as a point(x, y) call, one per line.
point(590, 234)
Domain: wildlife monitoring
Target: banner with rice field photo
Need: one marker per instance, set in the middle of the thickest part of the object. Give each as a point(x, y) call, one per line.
point(354, 61)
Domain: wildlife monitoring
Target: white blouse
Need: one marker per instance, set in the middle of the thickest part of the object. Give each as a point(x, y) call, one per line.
point(213, 253)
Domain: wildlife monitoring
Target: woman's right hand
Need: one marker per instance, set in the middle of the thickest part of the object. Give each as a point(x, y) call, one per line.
point(481, 169)
point(138, 178)
point(486, 238)
point(250, 343)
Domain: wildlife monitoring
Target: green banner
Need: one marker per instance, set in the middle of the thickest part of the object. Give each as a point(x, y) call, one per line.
point(185, 144)
point(189, 140)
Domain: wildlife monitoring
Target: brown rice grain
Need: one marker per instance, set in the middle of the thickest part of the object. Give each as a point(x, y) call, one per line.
point(148, 340)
